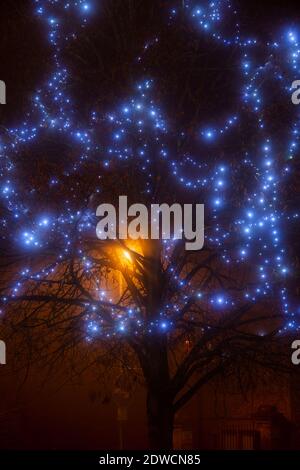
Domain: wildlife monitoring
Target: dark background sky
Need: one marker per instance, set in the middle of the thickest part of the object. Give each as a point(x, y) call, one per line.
point(109, 67)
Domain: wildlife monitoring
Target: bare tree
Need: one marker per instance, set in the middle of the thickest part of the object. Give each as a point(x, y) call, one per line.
point(143, 306)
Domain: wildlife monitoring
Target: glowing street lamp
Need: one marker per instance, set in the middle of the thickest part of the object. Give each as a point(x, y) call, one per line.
point(127, 256)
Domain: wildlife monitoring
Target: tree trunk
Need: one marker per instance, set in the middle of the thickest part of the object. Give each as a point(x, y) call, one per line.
point(160, 413)
point(160, 421)
point(154, 357)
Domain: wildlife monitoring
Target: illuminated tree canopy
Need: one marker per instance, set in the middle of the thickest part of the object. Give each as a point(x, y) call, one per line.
point(156, 295)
